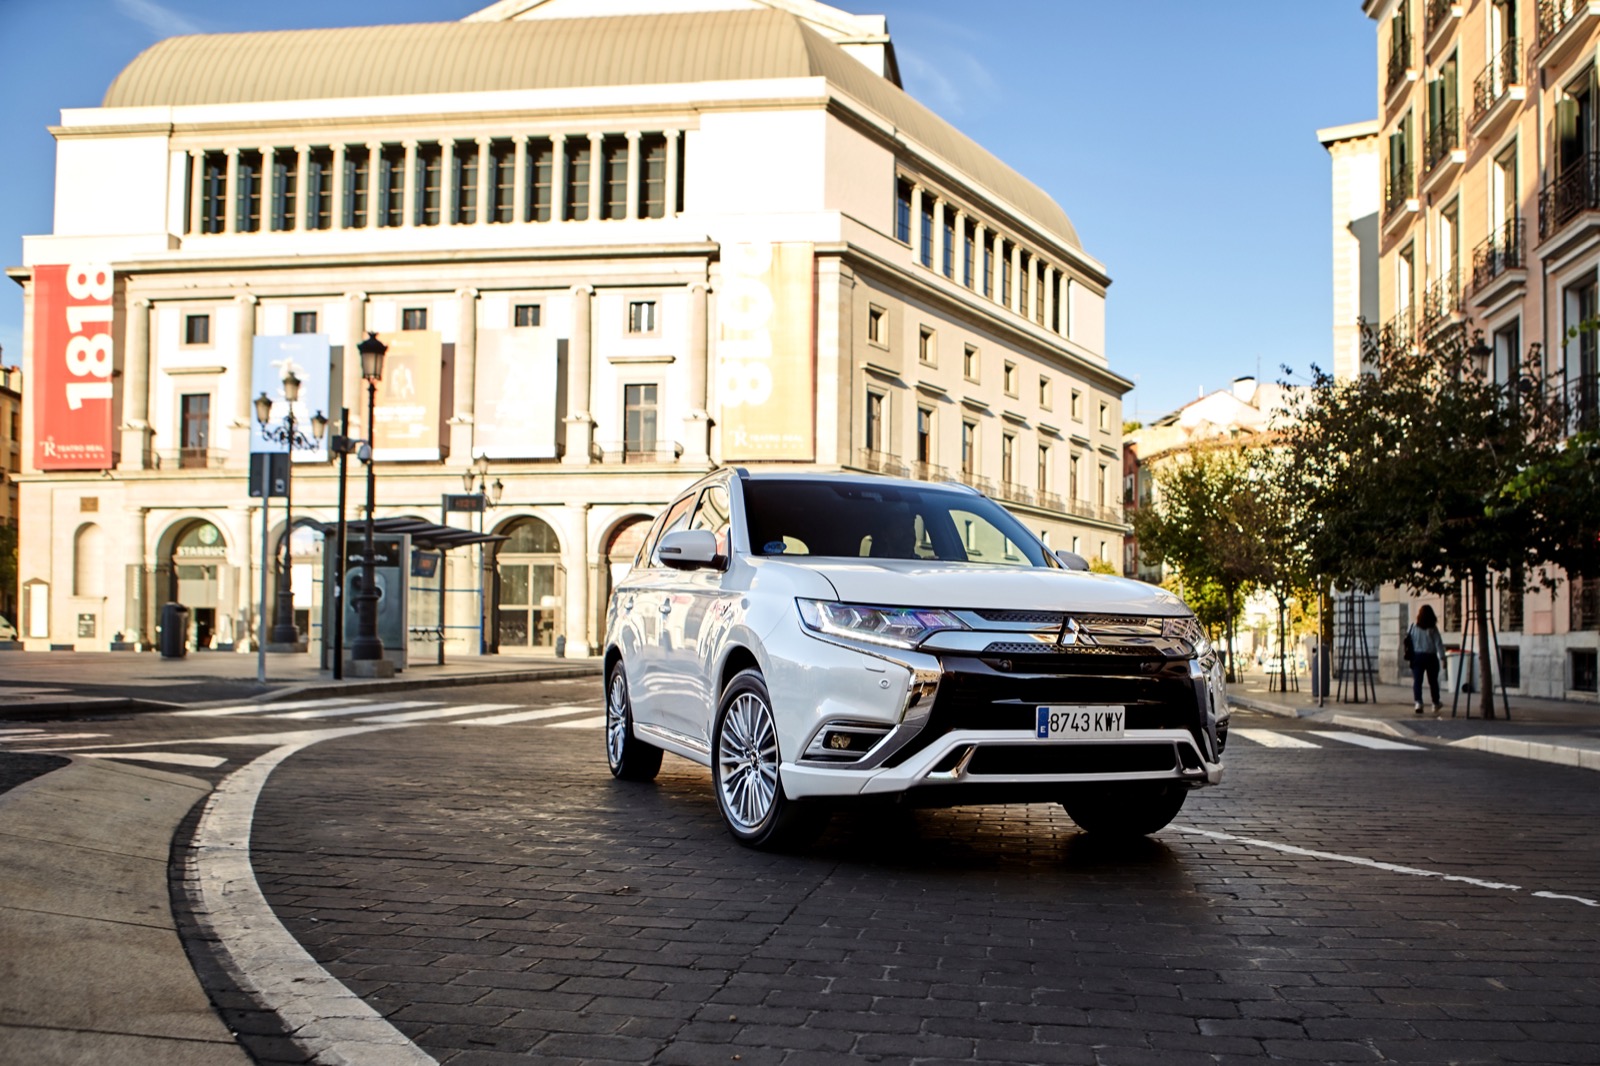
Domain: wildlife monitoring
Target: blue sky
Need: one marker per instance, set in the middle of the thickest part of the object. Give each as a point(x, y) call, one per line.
point(1179, 135)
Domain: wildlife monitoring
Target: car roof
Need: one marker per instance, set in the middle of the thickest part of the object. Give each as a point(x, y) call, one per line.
point(835, 476)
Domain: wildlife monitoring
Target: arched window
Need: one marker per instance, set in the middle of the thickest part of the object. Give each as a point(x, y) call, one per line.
point(530, 584)
point(89, 561)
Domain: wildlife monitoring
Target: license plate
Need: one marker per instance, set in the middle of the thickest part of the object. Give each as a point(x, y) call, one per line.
point(1080, 723)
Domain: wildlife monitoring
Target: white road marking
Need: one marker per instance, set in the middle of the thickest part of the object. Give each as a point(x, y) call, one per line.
point(1362, 740)
point(336, 712)
point(531, 716)
point(177, 758)
point(439, 712)
point(581, 723)
point(265, 708)
point(288, 736)
point(37, 738)
point(1267, 738)
point(1576, 899)
point(328, 1021)
point(20, 732)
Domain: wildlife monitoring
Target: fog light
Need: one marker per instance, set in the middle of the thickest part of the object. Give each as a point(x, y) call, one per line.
point(845, 741)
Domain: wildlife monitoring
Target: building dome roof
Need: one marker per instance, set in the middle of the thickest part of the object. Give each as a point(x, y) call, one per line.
point(468, 57)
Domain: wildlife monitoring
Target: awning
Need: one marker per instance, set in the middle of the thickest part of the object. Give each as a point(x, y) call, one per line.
point(429, 536)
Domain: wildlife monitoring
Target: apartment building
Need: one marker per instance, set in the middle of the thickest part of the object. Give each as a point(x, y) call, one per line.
point(1489, 122)
point(607, 254)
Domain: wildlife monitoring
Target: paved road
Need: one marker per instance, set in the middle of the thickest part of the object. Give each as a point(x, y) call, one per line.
point(492, 893)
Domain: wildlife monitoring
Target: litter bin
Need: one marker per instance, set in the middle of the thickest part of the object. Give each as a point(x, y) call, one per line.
point(174, 631)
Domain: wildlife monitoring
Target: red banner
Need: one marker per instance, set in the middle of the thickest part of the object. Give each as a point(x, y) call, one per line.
point(73, 355)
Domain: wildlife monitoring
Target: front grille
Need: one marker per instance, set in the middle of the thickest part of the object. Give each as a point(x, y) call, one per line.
point(1043, 618)
point(1015, 760)
point(1034, 648)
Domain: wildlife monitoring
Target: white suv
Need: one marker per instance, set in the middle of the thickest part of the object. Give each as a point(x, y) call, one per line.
point(814, 637)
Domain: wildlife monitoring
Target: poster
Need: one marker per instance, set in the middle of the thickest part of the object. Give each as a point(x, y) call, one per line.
point(406, 420)
point(73, 360)
point(765, 368)
point(514, 396)
point(308, 356)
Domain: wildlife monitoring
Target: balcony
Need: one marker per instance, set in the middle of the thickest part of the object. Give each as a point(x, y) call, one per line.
point(881, 463)
point(194, 458)
point(1497, 88)
point(1563, 25)
point(1011, 492)
point(1399, 334)
point(656, 452)
point(1442, 152)
point(1438, 19)
point(1400, 70)
point(1399, 195)
point(1052, 501)
point(929, 471)
point(1575, 191)
point(1099, 512)
point(977, 481)
point(1581, 403)
point(1441, 303)
point(1498, 264)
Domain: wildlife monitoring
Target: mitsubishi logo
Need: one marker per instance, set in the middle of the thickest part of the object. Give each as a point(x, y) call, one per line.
point(1073, 634)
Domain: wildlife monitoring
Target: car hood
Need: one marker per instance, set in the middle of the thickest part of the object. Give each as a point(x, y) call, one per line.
point(920, 583)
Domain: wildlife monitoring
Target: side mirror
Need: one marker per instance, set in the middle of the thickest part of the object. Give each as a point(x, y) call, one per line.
point(1072, 560)
point(689, 549)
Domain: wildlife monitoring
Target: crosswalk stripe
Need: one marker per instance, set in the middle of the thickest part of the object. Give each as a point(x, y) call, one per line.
point(266, 708)
point(335, 712)
point(530, 716)
point(581, 723)
point(1361, 740)
point(1267, 738)
point(40, 738)
point(176, 758)
point(439, 712)
point(20, 733)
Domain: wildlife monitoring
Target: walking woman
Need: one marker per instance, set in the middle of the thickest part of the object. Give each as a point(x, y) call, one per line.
point(1427, 656)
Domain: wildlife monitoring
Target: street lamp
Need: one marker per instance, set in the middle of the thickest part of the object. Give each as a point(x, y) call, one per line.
point(368, 646)
point(287, 434)
point(474, 481)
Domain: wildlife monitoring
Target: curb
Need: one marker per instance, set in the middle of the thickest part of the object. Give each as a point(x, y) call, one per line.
point(1282, 710)
point(86, 708)
point(365, 688)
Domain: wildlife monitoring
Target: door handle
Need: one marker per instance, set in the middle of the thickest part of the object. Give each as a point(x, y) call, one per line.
point(666, 606)
point(627, 604)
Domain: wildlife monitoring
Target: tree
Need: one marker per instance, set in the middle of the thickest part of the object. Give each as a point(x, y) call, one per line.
point(1205, 521)
point(8, 567)
point(1398, 470)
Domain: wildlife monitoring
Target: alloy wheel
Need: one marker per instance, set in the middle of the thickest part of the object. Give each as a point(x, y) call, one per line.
point(616, 717)
point(747, 758)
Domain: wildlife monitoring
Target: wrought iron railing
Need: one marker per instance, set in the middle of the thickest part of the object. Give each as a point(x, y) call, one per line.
point(1444, 137)
point(977, 481)
point(1499, 252)
point(1575, 190)
point(1440, 300)
point(649, 451)
point(881, 463)
point(929, 472)
point(1581, 401)
point(1400, 187)
point(1011, 492)
point(1399, 60)
point(1438, 12)
point(1498, 75)
point(1554, 16)
point(1052, 501)
point(1396, 335)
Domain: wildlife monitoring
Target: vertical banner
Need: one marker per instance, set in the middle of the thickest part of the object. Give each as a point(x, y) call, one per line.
point(765, 372)
point(406, 422)
point(73, 359)
point(308, 356)
point(514, 397)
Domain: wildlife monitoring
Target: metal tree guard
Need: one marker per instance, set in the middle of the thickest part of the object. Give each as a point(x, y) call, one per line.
point(1469, 629)
point(1355, 655)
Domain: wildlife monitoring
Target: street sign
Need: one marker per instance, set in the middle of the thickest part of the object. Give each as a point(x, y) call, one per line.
point(273, 469)
point(469, 501)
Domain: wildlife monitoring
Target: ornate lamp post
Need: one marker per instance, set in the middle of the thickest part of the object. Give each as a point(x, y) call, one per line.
point(368, 646)
point(473, 480)
point(283, 627)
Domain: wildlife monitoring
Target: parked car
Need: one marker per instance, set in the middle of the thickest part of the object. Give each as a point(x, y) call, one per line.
point(813, 638)
point(7, 630)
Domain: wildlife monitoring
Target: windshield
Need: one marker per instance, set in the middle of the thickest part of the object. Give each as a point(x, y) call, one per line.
point(884, 521)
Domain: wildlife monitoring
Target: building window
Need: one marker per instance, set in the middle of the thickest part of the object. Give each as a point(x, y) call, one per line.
point(1583, 663)
point(969, 363)
point(197, 329)
point(924, 434)
point(285, 181)
point(213, 192)
point(1037, 283)
point(1102, 486)
point(524, 315)
point(969, 448)
point(875, 427)
point(641, 316)
point(194, 430)
point(968, 250)
point(357, 173)
point(392, 186)
point(1008, 458)
point(1077, 406)
point(1512, 591)
point(248, 179)
point(541, 179)
point(576, 208)
point(925, 232)
point(902, 211)
point(1044, 392)
point(653, 176)
point(1583, 351)
point(1057, 288)
point(949, 265)
point(1585, 605)
point(502, 181)
point(319, 188)
point(1043, 471)
point(1006, 249)
point(638, 420)
point(430, 160)
point(1104, 419)
point(1073, 466)
point(614, 169)
point(927, 348)
point(1511, 667)
point(988, 268)
point(1009, 378)
point(414, 318)
point(305, 322)
point(464, 183)
point(878, 326)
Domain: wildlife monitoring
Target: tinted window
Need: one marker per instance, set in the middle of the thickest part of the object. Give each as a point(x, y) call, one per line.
point(884, 521)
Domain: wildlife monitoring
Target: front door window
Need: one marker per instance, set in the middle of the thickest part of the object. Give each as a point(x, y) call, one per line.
point(529, 595)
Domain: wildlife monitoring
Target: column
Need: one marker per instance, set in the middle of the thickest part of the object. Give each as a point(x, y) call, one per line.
point(596, 172)
point(580, 426)
point(269, 159)
point(197, 197)
point(576, 557)
point(336, 210)
point(1049, 295)
point(980, 242)
point(632, 210)
point(374, 184)
point(136, 389)
point(670, 208)
point(485, 204)
point(519, 181)
point(351, 394)
point(1014, 297)
point(230, 193)
point(959, 235)
point(558, 177)
point(302, 192)
point(461, 442)
point(697, 427)
point(938, 236)
point(137, 581)
point(243, 366)
point(408, 213)
point(447, 181)
point(916, 222)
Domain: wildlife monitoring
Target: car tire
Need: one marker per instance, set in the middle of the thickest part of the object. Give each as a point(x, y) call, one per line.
point(746, 773)
point(1125, 809)
point(630, 758)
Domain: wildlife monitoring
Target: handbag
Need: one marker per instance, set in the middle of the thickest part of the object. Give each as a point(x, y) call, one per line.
point(1409, 649)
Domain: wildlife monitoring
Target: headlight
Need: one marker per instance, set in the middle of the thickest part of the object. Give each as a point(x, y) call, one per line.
point(1187, 630)
point(898, 627)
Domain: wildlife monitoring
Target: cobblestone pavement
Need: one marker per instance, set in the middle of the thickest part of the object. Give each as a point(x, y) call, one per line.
point(497, 896)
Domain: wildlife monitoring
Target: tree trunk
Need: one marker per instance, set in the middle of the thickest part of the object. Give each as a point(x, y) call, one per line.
point(1283, 666)
point(1480, 607)
point(1231, 675)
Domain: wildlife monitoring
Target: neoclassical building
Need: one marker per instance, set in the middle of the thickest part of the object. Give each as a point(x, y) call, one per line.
point(607, 253)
